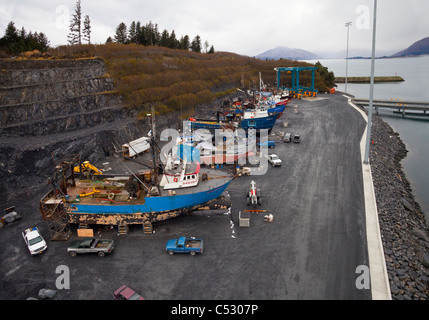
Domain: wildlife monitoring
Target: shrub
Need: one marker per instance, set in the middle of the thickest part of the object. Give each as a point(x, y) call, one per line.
point(179, 79)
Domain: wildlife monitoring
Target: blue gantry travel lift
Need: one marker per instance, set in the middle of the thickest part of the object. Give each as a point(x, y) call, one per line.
point(297, 90)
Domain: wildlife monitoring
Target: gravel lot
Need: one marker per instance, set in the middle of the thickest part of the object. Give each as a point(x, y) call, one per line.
point(310, 251)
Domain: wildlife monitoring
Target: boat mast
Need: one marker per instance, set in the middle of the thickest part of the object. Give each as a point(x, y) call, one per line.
point(151, 116)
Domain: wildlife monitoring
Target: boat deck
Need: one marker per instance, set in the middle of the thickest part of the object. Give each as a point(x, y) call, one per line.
point(111, 190)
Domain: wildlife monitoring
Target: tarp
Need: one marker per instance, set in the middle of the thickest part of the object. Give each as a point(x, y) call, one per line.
point(205, 145)
point(189, 153)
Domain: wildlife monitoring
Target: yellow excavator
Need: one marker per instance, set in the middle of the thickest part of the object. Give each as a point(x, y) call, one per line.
point(87, 167)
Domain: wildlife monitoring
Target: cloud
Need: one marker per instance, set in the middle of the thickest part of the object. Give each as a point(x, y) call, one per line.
point(246, 27)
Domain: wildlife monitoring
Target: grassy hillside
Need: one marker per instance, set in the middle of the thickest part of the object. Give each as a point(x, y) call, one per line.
point(174, 79)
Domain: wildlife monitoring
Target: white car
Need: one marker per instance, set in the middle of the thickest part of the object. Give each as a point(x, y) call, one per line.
point(34, 240)
point(274, 160)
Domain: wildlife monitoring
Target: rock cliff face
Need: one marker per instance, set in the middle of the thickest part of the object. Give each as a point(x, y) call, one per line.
point(49, 108)
point(44, 97)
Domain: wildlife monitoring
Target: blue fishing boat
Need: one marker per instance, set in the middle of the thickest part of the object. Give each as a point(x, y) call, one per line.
point(251, 118)
point(142, 197)
point(258, 119)
point(180, 193)
point(276, 110)
point(223, 121)
point(210, 124)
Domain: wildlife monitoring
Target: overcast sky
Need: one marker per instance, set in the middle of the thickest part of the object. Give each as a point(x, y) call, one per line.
point(245, 27)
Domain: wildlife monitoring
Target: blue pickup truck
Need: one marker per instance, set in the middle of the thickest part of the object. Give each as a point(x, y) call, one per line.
point(185, 245)
point(269, 144)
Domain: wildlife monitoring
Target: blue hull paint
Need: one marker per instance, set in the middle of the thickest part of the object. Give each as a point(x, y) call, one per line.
point(154, 204)
point(259, 123)
point(255, 123)
point(276, 110)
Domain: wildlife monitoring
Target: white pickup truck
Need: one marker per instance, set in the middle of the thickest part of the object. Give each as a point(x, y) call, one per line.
point(274, 160)
point(34, 241)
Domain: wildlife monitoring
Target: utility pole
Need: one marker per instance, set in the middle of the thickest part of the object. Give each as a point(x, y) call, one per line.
point(348, 24)
point(371, 89)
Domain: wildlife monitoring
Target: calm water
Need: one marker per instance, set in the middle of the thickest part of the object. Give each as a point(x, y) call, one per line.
point(413, 131)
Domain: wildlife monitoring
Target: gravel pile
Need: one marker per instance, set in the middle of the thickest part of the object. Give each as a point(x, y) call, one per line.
point(403, 225)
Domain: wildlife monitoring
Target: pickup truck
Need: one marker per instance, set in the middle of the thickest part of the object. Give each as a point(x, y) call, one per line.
point(269, 144)
point(34, 241)
point(274, 160)
point(185, 245)
point(91, 245)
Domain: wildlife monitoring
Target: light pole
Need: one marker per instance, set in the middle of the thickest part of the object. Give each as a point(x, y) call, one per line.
point(371, 89)
point(348, 24)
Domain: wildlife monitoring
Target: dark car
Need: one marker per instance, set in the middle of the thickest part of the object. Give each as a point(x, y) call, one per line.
point(126, 293)
point(296, 138)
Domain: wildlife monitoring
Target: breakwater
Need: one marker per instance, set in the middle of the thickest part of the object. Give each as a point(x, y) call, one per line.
point(368, 79)
point(403, 227)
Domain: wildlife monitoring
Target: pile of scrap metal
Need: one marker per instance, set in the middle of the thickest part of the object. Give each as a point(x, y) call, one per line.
point(10, 216)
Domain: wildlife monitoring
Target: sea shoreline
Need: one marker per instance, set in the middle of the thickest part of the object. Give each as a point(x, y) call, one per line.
point(403, 225)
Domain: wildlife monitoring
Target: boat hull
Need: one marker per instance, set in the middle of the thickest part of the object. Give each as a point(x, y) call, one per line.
point(277, 110)
point(157, 204)
point(259, 123)
point(195, 125)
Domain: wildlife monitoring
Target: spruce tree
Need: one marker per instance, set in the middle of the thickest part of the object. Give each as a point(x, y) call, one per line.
point(132, 33)
point(121, 33)
point(87, 29)
point(15, 42)
point(184, 43)
point(165, 39)
point(11, 38)
point(196, 44)
point(75, 35)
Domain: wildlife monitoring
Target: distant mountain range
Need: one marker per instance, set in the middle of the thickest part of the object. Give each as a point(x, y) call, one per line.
point(418, 48)
point(287, 53)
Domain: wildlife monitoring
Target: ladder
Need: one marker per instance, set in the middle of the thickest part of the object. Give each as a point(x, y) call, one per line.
point(147, 227)
point(122, 229)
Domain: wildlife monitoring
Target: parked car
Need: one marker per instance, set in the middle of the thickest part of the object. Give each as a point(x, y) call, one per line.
point(274, 160)
point(126, 293)
point(297, 138)
point(269, 144)
point(34, 241)
point(287, 138)
point(91, 245)
point(185, 245)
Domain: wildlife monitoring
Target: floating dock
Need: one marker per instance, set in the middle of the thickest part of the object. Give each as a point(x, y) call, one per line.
point(398, 106)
